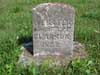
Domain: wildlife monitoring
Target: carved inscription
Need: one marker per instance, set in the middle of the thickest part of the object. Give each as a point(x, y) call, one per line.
point(53, 26)
point(51, 36)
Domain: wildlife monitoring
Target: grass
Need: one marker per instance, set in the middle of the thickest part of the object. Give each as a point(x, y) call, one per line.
point(16, 21)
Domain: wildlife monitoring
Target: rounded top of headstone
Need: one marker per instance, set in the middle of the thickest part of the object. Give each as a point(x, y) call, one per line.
point(52, 5)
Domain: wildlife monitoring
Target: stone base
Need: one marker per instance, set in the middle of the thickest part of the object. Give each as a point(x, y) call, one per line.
point(78, 52)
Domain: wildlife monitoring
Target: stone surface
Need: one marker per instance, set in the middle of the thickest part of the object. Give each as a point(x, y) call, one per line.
point(26, 58)
point(78, 52)
point(53, 28)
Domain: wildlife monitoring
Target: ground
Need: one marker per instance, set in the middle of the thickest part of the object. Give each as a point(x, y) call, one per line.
point(16, 22)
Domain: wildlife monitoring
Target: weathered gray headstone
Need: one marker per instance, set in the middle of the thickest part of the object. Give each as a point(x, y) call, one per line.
point(53, 28)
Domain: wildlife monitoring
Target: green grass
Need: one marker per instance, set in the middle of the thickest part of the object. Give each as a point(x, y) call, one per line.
point(16, 21)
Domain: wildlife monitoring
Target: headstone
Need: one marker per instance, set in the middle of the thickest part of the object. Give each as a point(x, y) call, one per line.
point(53, 28)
